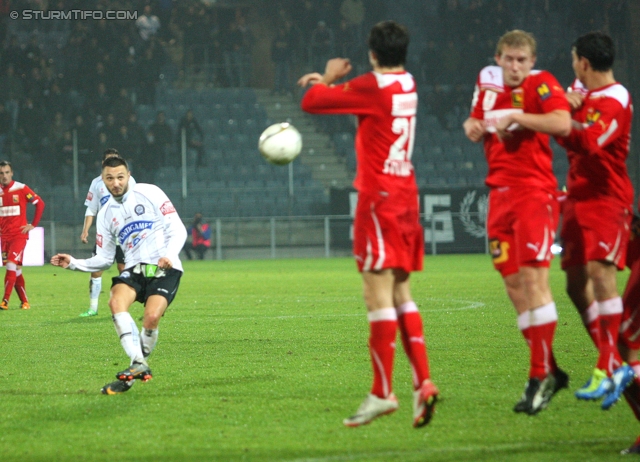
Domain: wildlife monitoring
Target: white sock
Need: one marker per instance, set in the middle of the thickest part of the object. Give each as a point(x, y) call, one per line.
point(129, 336)
point(95, 286)
point(148, 339)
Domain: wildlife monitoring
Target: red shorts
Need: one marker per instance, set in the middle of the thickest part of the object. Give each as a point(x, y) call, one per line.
point(387, 232)
point(521, 225)
point(594, 230)
point(630, 325)
point(13, 249)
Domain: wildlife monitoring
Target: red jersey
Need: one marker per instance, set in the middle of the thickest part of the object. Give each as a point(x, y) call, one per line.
point(598, 153)
point(525, 158)
point(386, 106)
point(13, 208)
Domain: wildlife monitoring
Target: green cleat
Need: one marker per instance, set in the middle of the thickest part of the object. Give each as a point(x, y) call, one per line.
point(597, 386)
point(88, 313)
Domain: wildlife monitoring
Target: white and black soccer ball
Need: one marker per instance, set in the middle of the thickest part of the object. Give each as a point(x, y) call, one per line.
point(280, 143)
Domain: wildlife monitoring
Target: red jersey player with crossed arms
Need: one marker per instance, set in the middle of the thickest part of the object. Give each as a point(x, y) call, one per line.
point(597, 212)
point(514, 110)
point(14, 231)
point(388, 238)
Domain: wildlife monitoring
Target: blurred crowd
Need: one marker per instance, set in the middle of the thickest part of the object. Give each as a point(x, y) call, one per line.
point(90, 81)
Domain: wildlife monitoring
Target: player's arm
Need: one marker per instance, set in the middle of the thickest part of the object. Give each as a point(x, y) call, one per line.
point(105, 249)
point(352, 97)
point(555, 123)
point(593, 138)
point(39, 205)
point(175, 234)
point(88, 221)
point(474, 129)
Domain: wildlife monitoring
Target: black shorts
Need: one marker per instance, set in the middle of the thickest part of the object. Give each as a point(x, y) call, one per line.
point(165, 286)
point(119, 254)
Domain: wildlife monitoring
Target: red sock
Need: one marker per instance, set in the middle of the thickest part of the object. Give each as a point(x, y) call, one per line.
point(610, 318)
point(543, 327)
point(591, 320)
point(9, 283)
point(632, 392)
point(20, 288)
point(412, 333)
point(383, 325)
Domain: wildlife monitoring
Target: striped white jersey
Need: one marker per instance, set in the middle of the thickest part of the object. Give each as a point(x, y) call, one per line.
point(145, 224)
point(98, 195)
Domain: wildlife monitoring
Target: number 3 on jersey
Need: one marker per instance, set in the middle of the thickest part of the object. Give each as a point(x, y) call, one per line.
point(399, 161)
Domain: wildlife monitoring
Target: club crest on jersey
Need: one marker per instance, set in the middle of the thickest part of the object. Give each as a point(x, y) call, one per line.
point(167, 208)
point(89, 196)
point(543, 91)
point(517, 98)
point(16, 199)
point(135, 230)
point(105, 199)
point(592, 116)
point(139, 209)
point(99, 240)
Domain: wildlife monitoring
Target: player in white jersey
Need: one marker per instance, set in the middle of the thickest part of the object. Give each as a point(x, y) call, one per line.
point(142, 220)
point(97, 196)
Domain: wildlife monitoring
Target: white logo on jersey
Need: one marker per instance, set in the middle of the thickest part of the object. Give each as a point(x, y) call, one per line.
point(489, 100)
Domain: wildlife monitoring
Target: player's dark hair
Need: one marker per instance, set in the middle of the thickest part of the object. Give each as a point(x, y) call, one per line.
point(114, 161)
point(598, 48)
point(109, 152)
point(389, 42)
point(6, 163)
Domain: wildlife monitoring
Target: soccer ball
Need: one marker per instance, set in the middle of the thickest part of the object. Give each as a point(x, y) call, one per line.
point(280, 143)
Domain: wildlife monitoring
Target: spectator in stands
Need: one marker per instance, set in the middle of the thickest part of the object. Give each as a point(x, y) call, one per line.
point(353, 12)
point(234, 55)
point(122, 106)
point(148, 24)
point(160, 139)
point(194, 136)
point(110, 127)
point(281, 57)
point(322, 45)
point(200, 242)
point(31, 125)
point(136, 132)
point(5, 129)
point(83, 133)
point(100, 101)
point(148, 73)
point(64, 158)
point(57, 128)
point(12, 92)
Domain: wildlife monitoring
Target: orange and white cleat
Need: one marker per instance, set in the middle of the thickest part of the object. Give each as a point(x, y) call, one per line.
point(424, 403)
point(4, 305)
point(25, 306)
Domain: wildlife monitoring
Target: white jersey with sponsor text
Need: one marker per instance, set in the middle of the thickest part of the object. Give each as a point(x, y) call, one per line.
point(145, 224)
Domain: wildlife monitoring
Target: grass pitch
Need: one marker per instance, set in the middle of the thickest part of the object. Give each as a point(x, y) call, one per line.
point(261, 360)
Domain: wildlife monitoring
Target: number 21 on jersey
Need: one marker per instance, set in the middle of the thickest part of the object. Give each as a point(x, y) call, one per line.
point(404, 125)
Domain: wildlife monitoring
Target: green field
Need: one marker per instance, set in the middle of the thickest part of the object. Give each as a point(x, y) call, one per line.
point(261, 360)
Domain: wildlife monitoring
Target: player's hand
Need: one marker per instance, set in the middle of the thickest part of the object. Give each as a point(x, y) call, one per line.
point(84, 236)
point(62, 260)
point(575, 100)
point(335, 69)
point(474, 129)
point(505, 127)
point(164, 263)
point(311, 78)
point(26, 228)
